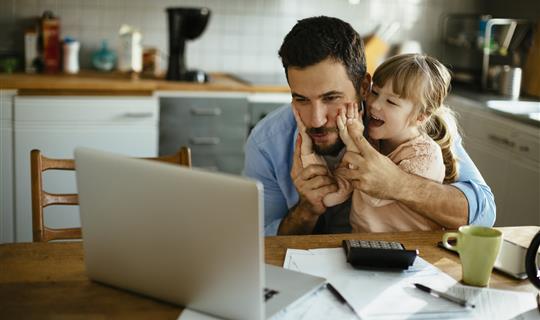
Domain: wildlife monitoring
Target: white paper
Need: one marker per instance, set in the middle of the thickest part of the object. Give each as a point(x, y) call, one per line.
point(321, 305)
point(188, 314)
point(391, 294)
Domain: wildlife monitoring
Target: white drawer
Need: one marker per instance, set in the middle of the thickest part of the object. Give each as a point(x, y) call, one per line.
point(6, 104)
point(87, 109)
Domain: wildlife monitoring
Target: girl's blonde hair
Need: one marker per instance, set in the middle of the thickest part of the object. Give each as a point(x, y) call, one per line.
point(425, 81)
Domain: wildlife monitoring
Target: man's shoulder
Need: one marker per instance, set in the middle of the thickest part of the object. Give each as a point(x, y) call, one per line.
point(278, 127)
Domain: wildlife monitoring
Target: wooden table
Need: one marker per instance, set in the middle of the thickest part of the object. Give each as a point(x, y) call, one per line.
point(48, 280)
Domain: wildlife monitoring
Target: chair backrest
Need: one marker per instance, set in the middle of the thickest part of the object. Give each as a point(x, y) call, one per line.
point(42, 199)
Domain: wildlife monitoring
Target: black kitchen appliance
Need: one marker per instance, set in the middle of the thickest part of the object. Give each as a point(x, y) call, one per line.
point(185, 24)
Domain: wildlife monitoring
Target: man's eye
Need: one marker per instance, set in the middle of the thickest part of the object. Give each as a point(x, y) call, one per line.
point(375, 93)
point(331, 98)
point(300, 100)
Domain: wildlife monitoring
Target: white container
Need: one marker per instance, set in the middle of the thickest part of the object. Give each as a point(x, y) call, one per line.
point(510, 82)
point(30, 51)
point(71, 56)
point(131, 51)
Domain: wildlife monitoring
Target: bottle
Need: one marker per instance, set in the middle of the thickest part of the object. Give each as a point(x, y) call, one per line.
point(50, 28)
point(30, 50)
point(482, 30)
point(130, 57)
point(104, 59)
point(71, 55)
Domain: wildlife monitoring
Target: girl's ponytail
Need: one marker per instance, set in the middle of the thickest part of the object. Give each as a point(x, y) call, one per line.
point(442, 127)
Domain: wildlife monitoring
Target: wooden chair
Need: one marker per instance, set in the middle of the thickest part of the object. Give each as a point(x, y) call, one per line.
point(42, 199)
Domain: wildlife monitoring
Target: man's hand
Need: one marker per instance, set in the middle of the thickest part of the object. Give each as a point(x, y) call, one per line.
point(313, 183)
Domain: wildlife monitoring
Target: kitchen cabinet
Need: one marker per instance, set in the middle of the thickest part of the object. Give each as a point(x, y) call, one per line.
point(6, 165)
point(213, 125)
point(58, 124)
point(507, 153)
point(261, 104)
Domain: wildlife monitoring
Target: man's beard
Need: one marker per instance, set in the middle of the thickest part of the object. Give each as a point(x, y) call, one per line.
point(328, 150)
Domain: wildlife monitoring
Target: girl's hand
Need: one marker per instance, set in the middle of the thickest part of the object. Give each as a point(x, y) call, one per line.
point(306, 143)
point(350, 125)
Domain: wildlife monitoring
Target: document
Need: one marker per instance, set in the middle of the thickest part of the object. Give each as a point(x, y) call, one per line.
point(383, 295)
point(391, 294)
point(188, 314)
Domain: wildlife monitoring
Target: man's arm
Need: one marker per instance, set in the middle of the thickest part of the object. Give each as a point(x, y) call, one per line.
point(379, 177)
point(482, 208)
point(259, 167)
point(444, 204)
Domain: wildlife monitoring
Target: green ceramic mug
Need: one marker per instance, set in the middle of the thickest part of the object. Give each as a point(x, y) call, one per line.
point(478, 248)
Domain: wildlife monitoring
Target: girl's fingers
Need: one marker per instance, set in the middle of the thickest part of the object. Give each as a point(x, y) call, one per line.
point(341, 121)
point(350, 111)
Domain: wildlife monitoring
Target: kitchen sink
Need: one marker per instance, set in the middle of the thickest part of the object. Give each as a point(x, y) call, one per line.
point(515, 107)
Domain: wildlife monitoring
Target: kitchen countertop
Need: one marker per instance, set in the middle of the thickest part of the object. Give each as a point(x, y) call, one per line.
point(115, 83)
point(480, 100)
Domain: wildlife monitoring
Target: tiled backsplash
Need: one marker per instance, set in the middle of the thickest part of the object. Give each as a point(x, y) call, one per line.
point(242, 35)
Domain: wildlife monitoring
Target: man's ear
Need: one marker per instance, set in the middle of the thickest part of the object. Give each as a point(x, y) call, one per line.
point(365, 86)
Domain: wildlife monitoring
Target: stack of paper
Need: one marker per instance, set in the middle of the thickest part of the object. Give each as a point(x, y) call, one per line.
point(391, 294)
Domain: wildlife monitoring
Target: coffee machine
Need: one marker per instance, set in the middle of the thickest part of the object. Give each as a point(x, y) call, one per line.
point(185, 24)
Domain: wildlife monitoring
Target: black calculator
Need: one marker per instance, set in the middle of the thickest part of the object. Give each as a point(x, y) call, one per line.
point(378, 254)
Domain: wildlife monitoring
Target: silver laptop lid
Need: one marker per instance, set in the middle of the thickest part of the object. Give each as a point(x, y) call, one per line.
point(139, 221)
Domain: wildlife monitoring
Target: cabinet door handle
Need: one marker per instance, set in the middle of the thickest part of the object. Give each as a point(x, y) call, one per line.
point(206, 111)
point(138, 115)
point(204, 141)
point(501, 140)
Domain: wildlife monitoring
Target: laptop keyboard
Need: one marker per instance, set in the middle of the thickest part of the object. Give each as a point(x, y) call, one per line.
point(269, 293)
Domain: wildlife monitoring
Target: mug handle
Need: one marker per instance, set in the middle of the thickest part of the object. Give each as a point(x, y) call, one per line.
point(447, 236)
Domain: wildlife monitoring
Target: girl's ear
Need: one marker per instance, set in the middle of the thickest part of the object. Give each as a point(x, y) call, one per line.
point(365, 86)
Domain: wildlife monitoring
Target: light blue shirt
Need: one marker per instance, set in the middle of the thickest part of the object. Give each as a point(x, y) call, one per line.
point(269, 151)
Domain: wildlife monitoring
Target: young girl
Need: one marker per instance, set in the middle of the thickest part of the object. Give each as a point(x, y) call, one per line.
point(407, 122)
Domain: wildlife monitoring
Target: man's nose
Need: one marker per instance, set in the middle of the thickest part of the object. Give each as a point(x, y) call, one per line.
point(318, 115)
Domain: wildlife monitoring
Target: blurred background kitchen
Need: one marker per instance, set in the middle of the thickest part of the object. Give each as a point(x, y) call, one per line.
point(97, 73)
point(242, 35)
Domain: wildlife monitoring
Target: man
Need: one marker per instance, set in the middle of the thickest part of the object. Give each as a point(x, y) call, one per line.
point(326, 70)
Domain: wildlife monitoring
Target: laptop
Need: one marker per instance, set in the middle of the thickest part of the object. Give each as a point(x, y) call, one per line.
point(186, 236)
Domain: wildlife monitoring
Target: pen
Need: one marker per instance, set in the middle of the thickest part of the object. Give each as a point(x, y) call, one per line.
point(338, 295)
point(446, 296)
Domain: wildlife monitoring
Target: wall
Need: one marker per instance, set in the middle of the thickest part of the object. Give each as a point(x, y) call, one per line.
point(242, 36)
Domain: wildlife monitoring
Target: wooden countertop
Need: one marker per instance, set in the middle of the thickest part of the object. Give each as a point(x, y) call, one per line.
point(115, 83)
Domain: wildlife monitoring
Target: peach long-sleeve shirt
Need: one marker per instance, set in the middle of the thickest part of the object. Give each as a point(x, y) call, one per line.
point(421, 156)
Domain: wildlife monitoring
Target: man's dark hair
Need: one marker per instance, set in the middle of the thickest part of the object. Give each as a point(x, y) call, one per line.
point(315, 39)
